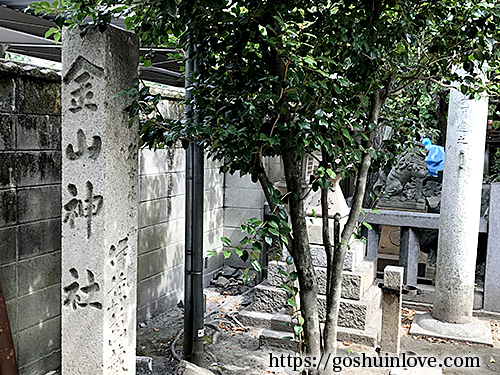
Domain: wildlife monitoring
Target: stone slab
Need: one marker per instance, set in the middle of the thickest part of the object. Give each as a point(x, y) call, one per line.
point(478, 331)
point(411, 219)
point(251, 318)
point(354, 314)
point(268, 299)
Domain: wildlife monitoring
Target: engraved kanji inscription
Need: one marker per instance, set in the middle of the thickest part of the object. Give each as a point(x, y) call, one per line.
point(77, 296)
point(82, 150)
point(81, 74)
point(119, 291)
point(86, 208)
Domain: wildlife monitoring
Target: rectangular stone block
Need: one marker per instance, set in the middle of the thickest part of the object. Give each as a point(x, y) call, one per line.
point(243, 198)
point(38, 132)
point(38, 168)
point(234, 217)
point(8, 245)
point(39, 203)
point(235, 181)
point(213, 198)
point(39, 306)
point(160, 235)
point(8, 275)
point(354, 314)
point(161, 186)
point(8, 170)
point(7, 93)
point(212, 178)
point(213, 219)
point(7, 131)
point(8, 207)
point(268, 299)
point(160, 284)
point(44, 366)
point(39, 272)
point(162, 161)
point(161, 210)
point(212, 239)
point(35, 96)
point(492, 274)
point(39, 238)
point(160, 260)
point(391, 310)
point(39, 341)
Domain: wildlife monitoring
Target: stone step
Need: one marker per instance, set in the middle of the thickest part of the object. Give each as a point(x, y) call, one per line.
point(278, 338)
point(268, 299)
point(353, 257)
point(252, 318)
point(352, 313)
point(355, 314)
point(354, 283)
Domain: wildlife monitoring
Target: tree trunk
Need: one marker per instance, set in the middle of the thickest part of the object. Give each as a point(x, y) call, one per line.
point(301, 254)
point(332, 309)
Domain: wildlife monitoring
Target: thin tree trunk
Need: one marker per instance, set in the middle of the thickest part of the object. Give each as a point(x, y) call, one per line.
point(302, 256)
point(330, 334)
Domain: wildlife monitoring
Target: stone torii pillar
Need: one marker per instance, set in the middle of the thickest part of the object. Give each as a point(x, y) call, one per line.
point(99, 208)
point(459, 225)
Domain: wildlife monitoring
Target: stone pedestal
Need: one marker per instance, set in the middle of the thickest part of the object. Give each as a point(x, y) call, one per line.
point(460, 209)
point(391, 310)
point(99, 208)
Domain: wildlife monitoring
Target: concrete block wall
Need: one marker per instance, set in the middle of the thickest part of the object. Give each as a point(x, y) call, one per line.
point(243, 200)
point(30, 212)
point(162, 221)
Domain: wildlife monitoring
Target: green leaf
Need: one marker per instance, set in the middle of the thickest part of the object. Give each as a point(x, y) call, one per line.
point(287, 288)
point(227, 254)
point(211, 253)
point(226, 241)
point(297, 329)
point(367, 225)
point(289, 260)
point(256, 265)
point(291, 302)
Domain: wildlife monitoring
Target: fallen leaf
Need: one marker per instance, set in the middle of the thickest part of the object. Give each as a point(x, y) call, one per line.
point(227, 347)
point(492, 360)
point(346, 343)
point(155, 329)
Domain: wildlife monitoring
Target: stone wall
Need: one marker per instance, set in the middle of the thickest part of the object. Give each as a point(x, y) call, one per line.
point(30, 216)
point(30, 212)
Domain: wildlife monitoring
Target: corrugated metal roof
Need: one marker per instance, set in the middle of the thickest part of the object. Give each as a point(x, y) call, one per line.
point(24, 33)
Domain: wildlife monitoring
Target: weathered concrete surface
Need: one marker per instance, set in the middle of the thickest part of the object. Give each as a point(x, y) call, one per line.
point(99, 179)
point(460, 208)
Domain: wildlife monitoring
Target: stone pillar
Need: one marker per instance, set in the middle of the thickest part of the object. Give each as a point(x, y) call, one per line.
point(99, 208)
point(492, 274)
point(460, 209)
point(391, 310)
point(408, 255)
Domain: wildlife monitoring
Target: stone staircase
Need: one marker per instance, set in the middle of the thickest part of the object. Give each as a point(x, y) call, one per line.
point(359, 315)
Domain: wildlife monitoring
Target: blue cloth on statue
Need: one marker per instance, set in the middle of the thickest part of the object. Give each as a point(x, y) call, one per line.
point(435, 157)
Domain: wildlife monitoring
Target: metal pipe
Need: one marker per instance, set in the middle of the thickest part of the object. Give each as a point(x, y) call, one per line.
point(8, 364)
point(194, 313)
point(188, 309)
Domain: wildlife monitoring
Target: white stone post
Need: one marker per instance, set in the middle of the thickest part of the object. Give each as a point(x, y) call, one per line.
point(391, 310)
point(99, 208)
point(460, 209)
